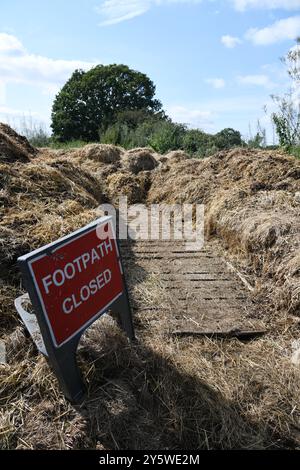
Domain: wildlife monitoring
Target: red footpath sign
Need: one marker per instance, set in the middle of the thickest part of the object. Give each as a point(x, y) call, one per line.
point(71, 282)
point(78, 280)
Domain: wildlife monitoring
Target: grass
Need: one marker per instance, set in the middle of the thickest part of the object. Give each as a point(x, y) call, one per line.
point(68, 145)
point(295, 151)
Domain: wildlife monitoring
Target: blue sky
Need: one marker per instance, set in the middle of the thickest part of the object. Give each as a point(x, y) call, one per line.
point(214, 62)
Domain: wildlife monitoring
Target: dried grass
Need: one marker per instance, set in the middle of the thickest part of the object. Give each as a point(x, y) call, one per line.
point(14, 147)
point(252, 205)
point(288, 281)
point(101, 153)
point(135, 187)
point(176, 156)
point(162, 392)
point(8, 319)
point(43, 200)
point(140, 159)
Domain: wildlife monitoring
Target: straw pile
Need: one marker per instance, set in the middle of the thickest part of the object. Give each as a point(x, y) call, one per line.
point(163, 392)
point(252, 204)
point(134, 187)
point(100, 153)
point(140, 159)
point(14, 147)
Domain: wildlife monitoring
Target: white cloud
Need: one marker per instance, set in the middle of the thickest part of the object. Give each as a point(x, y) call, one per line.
point(214, 114)
point(192, 117)
point(242, 105)
point(9, 44)
point(256, 80)
point(288, 28)
point(216, 82)
point(13, 112)
point(116, 11)
point(242, 5)
point(2, 93)
point(17, 65)
point(15, 117)
point(230, 41)
point(18, 119)
point(277, 70)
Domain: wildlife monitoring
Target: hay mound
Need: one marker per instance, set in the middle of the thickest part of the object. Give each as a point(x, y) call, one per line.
point(251, 203)
point(43, 200)
point(14, 147)
point(141, 149)
point(140, 159)
point(12, 245)
point(288, 281)
point(135, 187)
point(176, 156)
point(79, 176)
point(100, 153)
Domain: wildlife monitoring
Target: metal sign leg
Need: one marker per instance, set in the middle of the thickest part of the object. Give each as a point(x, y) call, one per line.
point(121, 309)
point(68, 373)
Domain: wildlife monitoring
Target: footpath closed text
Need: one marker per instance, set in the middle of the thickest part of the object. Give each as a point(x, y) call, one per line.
point(60, 277)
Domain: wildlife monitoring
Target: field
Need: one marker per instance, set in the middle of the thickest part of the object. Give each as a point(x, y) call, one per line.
point(175, 387)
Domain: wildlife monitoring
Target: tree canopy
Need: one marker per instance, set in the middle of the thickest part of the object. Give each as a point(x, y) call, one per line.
point(228, 138)
point(90, 101)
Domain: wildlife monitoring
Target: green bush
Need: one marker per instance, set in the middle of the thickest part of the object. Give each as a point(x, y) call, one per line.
point(295, 151)
point(287, 117)
point(168, 136)
point(161, 135)
point(199, 144)
point(139, 129)
point(287, 121)
point(195, 141)
point(34, 131)
point(117, 134)
point(132, 128)
point(39, 138)
point(259, 140)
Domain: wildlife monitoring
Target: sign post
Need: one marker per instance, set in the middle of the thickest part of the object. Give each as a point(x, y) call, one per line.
point(71, 283)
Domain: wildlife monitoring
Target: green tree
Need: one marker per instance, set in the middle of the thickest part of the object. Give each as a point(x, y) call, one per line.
point(136, 117)
point(228, 138)
point(91, 100)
